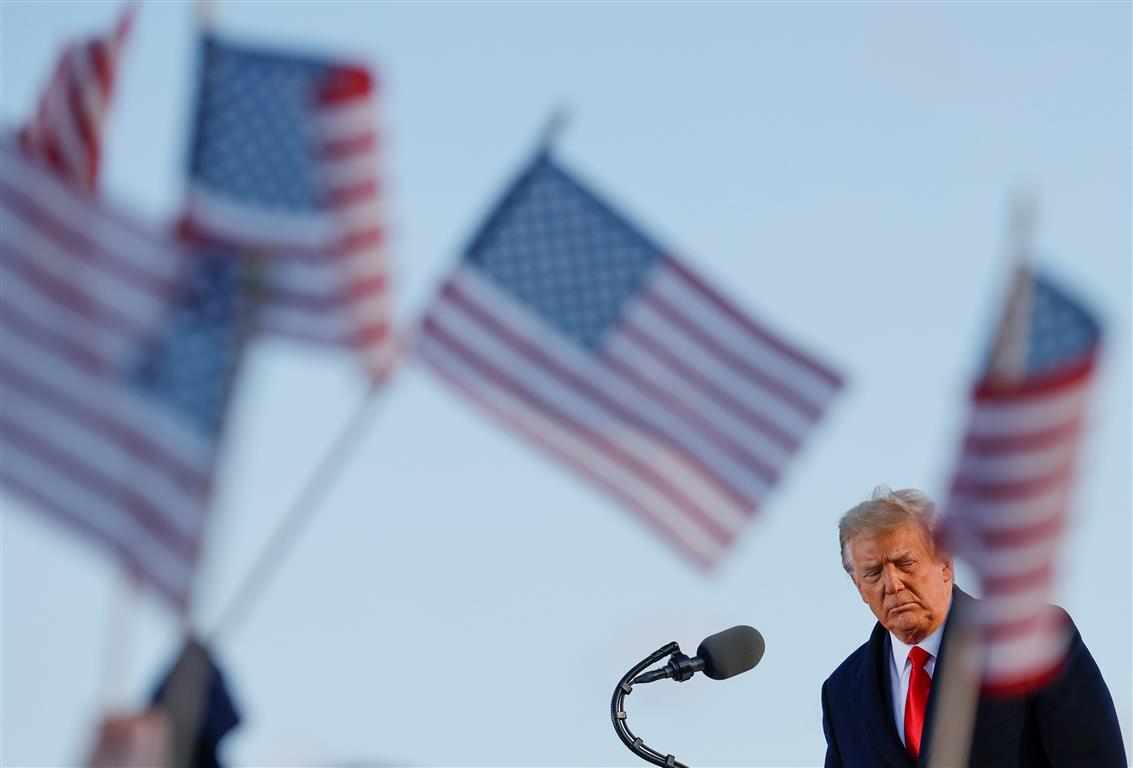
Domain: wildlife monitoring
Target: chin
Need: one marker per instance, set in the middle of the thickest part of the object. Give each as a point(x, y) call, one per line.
point(915, 631)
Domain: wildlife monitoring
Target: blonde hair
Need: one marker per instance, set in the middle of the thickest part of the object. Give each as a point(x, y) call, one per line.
point(883, 511)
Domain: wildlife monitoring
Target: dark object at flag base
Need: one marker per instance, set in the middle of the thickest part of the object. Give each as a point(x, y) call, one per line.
point(200, 708)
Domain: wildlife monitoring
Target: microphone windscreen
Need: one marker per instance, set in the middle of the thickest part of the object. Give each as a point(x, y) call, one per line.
point(731, 652)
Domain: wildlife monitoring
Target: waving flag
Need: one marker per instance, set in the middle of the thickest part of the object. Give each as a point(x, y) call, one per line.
point(284, 168)
point(568, 323)
point(116, 353)
point(66, 132)
point(1009, 498)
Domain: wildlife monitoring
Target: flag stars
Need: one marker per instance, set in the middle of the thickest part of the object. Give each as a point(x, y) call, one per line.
point(1059, 329)
point(562, 253)
point(256, 137)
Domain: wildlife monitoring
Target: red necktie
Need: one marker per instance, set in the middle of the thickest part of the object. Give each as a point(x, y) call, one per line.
point(919, 685)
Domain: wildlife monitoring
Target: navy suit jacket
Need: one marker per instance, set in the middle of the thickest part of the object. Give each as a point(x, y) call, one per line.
point(1069, 722)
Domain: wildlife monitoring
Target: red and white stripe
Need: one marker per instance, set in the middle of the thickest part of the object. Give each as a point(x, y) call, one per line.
point(1007, 514)
point(81, 289)
point(66, 131)
point(327, 272)
point(688, 413)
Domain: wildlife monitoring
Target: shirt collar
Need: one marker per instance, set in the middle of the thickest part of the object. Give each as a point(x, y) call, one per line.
point(931, 643)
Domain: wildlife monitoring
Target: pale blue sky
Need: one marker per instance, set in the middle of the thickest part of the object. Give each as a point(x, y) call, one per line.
point(845, 170)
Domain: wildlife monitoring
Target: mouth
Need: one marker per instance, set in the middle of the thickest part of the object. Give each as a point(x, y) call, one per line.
point(903, 607)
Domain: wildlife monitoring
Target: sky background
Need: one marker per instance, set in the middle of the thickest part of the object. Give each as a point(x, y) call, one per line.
point(845, 171)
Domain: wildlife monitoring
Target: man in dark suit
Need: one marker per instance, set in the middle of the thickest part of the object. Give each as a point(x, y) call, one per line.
point(878, 706)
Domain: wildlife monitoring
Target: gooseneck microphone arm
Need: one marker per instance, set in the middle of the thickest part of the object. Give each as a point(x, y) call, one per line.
point(618, 714)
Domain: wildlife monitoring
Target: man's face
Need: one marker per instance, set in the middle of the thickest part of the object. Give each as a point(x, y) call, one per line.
point(901, 580)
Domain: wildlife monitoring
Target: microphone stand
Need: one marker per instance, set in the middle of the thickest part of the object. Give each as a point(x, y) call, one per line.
point(618, 714)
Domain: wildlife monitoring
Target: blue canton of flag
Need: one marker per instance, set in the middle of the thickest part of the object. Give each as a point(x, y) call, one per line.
point(1061, 334)
point(565, 255)
point(284, 164)
point(189, 365)
point(256, 136)
point(1007, 512)
point(568, 323)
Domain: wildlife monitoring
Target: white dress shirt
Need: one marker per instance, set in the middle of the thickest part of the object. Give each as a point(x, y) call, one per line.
point(900, 669)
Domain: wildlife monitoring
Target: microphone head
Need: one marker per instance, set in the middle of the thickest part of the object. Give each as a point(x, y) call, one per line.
point(731, 652)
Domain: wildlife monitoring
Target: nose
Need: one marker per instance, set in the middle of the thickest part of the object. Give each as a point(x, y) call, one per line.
point(891, 579)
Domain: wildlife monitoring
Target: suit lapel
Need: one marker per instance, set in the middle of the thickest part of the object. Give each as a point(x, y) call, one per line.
point(882, 729)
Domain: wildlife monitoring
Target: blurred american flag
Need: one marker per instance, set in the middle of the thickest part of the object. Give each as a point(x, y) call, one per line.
point(117, 351)
point(1007, 510)
point(284, 167)
point(566, 322)
point(65, 133)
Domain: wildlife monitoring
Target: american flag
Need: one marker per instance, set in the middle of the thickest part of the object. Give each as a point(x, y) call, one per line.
point(1009, 497)
point(116, 352)
point(66, 130)
point(569, 324)
point(284, 167)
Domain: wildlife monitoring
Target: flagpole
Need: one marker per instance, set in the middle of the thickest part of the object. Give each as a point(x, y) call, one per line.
point(298, 515)
point(1008, 363)
point(185, 699)
point(118, 643)
point(122, 618)
point(556, 123)
point(958, 697)
point(206, 14)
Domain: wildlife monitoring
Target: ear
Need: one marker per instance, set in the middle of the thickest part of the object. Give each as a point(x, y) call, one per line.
point(858, 587)
point(947, 570)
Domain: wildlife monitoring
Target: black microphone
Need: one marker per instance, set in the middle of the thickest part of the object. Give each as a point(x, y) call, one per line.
point(722, 655)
